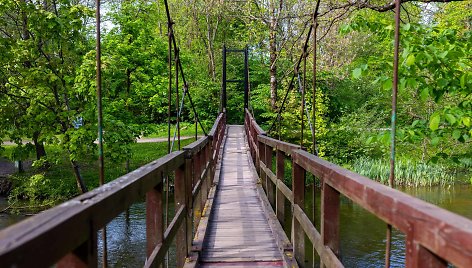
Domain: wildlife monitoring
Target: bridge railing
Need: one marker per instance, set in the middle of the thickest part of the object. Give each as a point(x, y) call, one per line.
point(66, 235)
point(434, 236)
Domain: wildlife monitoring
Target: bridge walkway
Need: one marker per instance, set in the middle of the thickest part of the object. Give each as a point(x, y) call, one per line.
point(239, 231)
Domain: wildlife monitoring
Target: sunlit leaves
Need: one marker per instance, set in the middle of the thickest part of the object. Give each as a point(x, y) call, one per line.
point(434, 121)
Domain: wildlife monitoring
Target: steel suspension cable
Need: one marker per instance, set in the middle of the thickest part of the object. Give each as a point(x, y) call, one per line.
point(181, 70)
point(305, 110)
point(290, 87)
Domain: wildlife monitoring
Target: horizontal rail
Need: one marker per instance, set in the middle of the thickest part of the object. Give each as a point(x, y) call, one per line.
point(326, 254)
point(195, 146)
point(73, 225)
point(434, 236)
point(256, 127)
point(446, 234)
point(279, 145)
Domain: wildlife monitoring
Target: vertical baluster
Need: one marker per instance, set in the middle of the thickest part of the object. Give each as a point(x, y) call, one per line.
point(330, 218)
point(280, 198)
point(154, 218)
point(189, 203)
point(298, 235)
point(179, 198)
point(205, 179)
point(83, 256)
point(261, 159)
point(419, 256)
point(270, 184)
point(196, 200)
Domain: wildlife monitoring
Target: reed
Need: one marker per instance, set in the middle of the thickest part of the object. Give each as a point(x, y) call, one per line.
point(407, 172)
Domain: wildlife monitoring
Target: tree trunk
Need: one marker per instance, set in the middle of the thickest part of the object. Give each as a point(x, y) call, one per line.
point(39, 146)
point(211, 52)
point(78, 177)
point(273, 66)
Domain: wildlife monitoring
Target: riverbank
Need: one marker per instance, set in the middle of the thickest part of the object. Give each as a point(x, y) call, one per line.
point(46, 187)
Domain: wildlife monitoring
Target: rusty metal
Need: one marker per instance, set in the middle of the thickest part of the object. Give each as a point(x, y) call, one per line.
point(315, 25)
point(177, 106)
point(223, 81)
point(302, 88)
point(101, 163)
point(391, 179)
point(169, 92)
point(246, 77)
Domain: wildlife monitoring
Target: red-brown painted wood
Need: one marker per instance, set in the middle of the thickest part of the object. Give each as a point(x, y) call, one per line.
point(154, 218)
point(330, 202)
point(298, 235)
point(280, 198)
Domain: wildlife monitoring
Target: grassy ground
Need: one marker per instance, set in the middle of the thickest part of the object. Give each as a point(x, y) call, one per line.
point(43, 188)
point(186, 129)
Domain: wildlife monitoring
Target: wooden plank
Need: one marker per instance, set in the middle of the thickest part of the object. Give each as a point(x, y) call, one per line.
point(243, 264)
point(239, 230)
point(253, 255)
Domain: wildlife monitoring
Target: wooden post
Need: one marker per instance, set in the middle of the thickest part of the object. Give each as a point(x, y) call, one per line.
point(270, 185)
point(419, 256)
point(298, 235)
point(154, 218)
point(189, 203)
point(179, 197)
point(83, 256)
point(257, 151)
point(330, 202)
point(261, 158)
point(196, 201)
point(280, 198)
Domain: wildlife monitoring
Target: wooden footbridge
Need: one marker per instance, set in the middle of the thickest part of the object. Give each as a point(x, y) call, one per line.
point(233, 200)
point(230, 203)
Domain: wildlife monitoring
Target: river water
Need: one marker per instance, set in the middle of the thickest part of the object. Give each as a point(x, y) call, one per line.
point(362, 234)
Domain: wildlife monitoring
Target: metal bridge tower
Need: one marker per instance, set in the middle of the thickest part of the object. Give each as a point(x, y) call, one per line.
point(225, 80)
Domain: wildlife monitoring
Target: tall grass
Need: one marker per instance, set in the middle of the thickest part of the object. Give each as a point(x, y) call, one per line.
point(407, 172)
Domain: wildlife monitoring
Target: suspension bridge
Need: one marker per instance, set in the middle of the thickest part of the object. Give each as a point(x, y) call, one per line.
point(232, 205)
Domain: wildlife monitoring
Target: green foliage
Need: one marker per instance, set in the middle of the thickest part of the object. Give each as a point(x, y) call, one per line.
point(434, 88)
point(407, 172)
point(34, 188)
point(57, 183)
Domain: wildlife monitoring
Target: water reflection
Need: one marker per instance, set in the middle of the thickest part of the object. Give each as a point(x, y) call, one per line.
point(362, 234)
point(126, 238)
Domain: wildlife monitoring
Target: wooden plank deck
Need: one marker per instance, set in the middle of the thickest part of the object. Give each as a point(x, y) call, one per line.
point(239, 232)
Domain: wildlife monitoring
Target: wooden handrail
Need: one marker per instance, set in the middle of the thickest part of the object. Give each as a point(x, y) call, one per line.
point(434, 236)
point(67, 233)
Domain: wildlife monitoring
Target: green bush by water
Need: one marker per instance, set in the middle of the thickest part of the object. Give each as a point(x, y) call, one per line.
point(407, 172)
